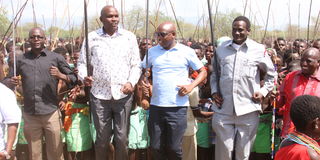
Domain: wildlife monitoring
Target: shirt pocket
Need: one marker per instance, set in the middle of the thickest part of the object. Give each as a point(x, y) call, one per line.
point(226, 68)
point(249, 69)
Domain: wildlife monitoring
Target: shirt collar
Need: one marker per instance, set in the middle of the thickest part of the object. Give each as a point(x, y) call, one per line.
point(176, 47)
point(317, 76)
point(44, 52)
point(248, 43)
point(101, 32)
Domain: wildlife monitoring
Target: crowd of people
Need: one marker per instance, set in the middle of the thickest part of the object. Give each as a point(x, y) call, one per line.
point(122, 97)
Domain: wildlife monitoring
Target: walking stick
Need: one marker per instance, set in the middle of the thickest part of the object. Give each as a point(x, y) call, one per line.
point(215, 55)
point(87, 89)
point(147, 71)
point(273, 125)
point(309, 21)
point(14, 42)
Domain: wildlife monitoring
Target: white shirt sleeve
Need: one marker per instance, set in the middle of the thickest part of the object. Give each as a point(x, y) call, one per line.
point(9, 108)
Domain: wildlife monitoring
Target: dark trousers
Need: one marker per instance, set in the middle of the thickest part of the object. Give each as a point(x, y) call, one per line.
point(166, 127)
point(111, 117)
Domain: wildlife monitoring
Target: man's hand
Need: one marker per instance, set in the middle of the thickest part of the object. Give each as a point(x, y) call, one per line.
point(76, 71)
point(14, 81)
point(145, 88)
point(127, 88)
point(2, 156)
point(184, 89)
point(62, 105)
point(257, 97)
point(74, 92)
point(217, 98)
point(88, 81)
point(54, 71)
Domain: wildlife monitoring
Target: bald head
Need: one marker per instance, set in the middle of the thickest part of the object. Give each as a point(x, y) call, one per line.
point(314, 52)
point(106, 9)
point(110, 19)
point(36, 29)
point(167, 27)
point(310, 61)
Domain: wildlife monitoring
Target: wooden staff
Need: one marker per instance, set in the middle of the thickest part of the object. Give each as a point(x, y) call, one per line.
point(136, 26)
point(315, 31)
point(86, 38)
point(265, 30)
point(299, 21)
point(215, 55)
point(175, 17)
point(122, 12)
point(88, 58)
point(245, 8)
point(16, 21)
point(14, 42)
point(34, 15)
point(290, 25)
point(147, 26)
point(309, 21)
point(216, 14)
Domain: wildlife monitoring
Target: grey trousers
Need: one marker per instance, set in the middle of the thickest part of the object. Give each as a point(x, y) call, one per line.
point(106, 113)
point(236, 132)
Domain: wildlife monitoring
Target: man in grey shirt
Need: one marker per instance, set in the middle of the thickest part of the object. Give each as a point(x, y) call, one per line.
point(40, 70)
point(239, 64)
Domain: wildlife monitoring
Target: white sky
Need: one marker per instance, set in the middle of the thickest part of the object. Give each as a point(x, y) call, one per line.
point(189, 10)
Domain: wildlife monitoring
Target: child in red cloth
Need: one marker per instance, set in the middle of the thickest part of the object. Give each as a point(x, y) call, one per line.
point(301, 144)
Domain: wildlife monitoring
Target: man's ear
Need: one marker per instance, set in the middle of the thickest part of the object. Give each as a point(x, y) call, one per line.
point(315, 124)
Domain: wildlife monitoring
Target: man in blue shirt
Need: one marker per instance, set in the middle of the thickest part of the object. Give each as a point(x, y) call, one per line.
point(170, 62)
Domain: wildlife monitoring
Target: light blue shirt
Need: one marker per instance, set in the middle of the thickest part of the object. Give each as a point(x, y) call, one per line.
point(169, 69)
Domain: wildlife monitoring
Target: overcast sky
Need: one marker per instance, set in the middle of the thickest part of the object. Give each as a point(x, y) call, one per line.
point(189, 10)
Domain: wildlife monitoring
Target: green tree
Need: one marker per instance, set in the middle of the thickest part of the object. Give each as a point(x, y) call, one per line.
point(4, 21)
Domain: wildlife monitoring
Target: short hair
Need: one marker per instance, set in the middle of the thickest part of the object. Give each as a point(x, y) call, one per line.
point(304, 108)
point(9, 45)
point(280, 39)
point(196, 46)
point(60, 50)
point(245, 19)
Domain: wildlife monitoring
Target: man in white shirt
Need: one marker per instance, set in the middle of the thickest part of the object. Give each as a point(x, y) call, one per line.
point(240, 62)
point(10, 116)
point(116, 62)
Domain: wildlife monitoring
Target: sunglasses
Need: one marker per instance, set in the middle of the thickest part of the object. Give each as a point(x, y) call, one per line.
point(162, 34)
point(38, 37)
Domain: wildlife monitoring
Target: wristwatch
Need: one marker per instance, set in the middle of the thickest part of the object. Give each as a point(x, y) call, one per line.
point(6, 154)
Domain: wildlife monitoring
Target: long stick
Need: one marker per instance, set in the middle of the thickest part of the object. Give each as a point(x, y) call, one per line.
point(87, 89)
point(86, 37)
point(273, 126)
point(309, 21)
point(245, 8)
point(215, 56)
point(14, 42)
point(44, 23)
point(147, 26)
point(175, 17)
point(18, 13)
point(34, 15)
point(215, 15)
point(290, 25)
point(315, 31)
point(122, 13)
point(299, 21)
point(265, 30)
point(136, 26)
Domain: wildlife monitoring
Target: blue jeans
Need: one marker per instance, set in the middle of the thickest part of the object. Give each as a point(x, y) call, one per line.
point(166, 127)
